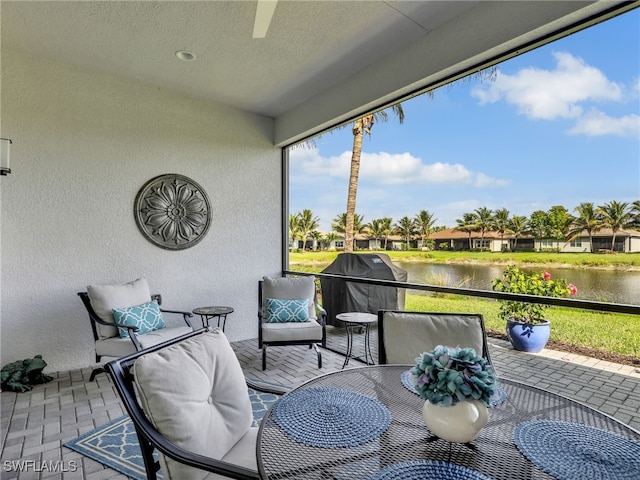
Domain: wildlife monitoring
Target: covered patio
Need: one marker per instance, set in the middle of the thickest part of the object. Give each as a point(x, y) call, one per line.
point(99, 97)
point(36, 424)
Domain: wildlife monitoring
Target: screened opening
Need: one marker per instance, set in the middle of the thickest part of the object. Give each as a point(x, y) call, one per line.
point(497, 168)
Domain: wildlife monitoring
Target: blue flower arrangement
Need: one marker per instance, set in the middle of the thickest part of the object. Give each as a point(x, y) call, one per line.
point(446, 376)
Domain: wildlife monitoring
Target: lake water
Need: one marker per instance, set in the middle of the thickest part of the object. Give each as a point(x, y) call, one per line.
point(592, 284)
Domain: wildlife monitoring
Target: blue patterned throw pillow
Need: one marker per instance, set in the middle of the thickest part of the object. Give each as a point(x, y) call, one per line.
point(281, 311)
point(146, 316)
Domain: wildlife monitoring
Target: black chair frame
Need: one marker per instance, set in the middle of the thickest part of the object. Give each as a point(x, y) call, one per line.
point(94, 318)
point(151, 439)
point(322, 320)
point(382, 354)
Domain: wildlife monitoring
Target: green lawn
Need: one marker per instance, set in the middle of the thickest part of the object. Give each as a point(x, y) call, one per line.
point(578, 260)
point(610, 332)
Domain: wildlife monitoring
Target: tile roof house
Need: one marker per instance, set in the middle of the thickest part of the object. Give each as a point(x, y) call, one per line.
point(451, 239)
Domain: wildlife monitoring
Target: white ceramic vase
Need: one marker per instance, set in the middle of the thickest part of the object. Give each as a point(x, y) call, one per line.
point(459, 423)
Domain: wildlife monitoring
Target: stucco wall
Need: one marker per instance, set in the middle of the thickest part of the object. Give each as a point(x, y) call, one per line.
point(84, 144)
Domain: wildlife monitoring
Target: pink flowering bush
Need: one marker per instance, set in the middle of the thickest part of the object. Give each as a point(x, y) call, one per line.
point(514, 280)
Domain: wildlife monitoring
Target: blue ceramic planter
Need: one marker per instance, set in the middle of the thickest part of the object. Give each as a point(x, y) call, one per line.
point(528, 337)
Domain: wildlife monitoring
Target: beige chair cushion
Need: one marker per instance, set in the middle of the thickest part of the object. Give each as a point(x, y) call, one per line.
point(104, 298)
point(194, 393)
point(291, 331)
point(407, 335)
point(150, 339)
point(115, 347)
point(289, 288)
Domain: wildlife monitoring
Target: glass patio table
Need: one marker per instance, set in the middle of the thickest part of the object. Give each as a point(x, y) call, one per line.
point(366, 423)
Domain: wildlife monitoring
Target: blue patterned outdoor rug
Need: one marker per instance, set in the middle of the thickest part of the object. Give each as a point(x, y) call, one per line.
point(427, 469)
point(331, 417)
point(499, 395)
point(573, 451)
point(115, 444)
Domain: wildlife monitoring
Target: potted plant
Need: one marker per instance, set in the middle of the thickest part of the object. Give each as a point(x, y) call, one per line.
point(527, 329)
point(457, 385)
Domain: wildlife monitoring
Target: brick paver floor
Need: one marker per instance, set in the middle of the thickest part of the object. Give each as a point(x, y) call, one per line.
point(36, 424)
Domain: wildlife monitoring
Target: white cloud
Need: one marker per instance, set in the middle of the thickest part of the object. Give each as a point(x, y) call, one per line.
point(550, 94)
point(596, 123)
point(635, 89)
point(389, 169)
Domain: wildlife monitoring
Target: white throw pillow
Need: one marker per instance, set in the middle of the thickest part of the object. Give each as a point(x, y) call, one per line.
point(104, 298)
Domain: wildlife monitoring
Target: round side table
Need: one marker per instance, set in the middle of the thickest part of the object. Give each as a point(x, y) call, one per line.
point(208, 313)
point(353, 320)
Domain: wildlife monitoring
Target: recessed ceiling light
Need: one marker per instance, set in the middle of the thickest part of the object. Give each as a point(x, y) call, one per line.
point(186, 56)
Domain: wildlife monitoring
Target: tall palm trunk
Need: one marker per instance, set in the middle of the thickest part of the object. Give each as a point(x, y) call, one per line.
point(360, 126)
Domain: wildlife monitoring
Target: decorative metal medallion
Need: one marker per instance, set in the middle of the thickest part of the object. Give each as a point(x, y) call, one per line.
point(172, 211)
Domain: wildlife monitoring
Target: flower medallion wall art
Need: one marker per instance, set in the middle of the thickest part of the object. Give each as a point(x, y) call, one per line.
point(172, 211)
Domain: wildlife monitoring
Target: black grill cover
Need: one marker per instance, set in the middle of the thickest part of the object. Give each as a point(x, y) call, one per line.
point(340, 296)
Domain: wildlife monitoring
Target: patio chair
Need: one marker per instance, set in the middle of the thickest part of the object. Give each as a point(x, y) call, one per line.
point(116, 341)
point(199, 371)
point(402, 336)
point(289, 314)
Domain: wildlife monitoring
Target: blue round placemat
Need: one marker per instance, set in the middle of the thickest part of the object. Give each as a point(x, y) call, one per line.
point(573, 451)
point(331, 417)
point(407, 381)
point(427, 469)
point(499, 395)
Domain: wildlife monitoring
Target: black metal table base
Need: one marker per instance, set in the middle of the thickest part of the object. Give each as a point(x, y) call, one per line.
point(368, 357)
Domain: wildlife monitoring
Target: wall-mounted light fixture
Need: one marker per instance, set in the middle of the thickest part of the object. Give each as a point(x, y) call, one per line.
point(5, 147)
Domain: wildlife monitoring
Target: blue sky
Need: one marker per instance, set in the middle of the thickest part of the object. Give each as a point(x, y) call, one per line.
point(559, 126)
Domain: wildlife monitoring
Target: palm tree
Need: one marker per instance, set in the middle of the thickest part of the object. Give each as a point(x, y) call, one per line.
point(616, 216)
point(307, 223)
point(424, 223)
point(587, 219)
point(330, 237)
point(386, 229)
point(361, 126)
point(468, 223)
point(317, 238)
point(406, 228)
point(294, 229)
point(519, 225)
point(364, 125)
point(635, 212)
point(502, 223)
point(339, 224)
point(376, 229)
point(485, 222)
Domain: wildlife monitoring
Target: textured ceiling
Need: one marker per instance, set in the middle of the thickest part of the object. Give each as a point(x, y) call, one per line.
point(309, 45)
point(312, 49)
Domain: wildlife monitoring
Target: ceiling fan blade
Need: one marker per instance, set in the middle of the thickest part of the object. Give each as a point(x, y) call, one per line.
point(264, 13)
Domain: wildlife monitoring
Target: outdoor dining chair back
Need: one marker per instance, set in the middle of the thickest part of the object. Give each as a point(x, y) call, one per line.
point(189, 400)
point(402, 336)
